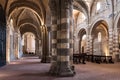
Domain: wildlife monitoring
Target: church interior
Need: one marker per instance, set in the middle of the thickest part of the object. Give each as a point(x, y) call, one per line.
point(59, 39)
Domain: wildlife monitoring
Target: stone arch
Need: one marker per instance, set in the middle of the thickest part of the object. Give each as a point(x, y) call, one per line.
point(81, 32)
point(28, 32)
point(117, 34)
point(100, 19)
point(100, 41)
point(27, 4)
point(28, 28)
point(29, 46)
point(117, 18)
point(28, 21)
point(82, 42)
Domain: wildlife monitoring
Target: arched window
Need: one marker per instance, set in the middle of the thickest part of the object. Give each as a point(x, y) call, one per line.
point(23, 40)
point(84, 37)
point(98, 6)
point(99, 37)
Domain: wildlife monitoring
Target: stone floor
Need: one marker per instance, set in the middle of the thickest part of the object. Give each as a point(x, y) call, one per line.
point(30, 68)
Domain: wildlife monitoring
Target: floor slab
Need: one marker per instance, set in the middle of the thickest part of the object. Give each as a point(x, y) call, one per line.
point(30, 68)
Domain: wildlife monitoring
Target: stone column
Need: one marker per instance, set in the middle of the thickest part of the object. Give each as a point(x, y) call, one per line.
point(49, 42)
point(2, 44)
point(71, 35)
point(2, 37)
point(38, 47)
point(90, 44)
point(53, 68)
point(111, 42)
point(16, 44)
point(79, 43)
point(25, 44)
point(116, 45)
point(62, 64)
point(8, 44)
point(20, 46)
point(45, 54)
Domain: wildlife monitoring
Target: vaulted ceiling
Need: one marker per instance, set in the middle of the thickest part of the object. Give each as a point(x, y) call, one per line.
point(35, 13)
point(26, 14)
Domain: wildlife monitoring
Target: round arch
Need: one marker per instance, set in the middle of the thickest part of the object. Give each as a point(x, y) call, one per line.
point(28, 28)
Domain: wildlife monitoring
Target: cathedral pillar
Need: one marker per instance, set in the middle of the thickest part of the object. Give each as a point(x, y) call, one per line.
point(49, 42)
point(2, 37)
point(16, 45)
point(36, 46)
point(8, 44)
point(53, 68)
point(38, 49)
point(62, 43)
point(110, 41)
point(20, 46)
point(116, 45)
point(45, 50)
point(71, 35)
point(90, 44)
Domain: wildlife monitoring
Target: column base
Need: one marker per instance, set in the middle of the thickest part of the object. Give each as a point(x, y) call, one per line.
point(46, 59)
point(2, 63)
point(73, 69)
point(62, 69)
point(117, 59)
point(53, 69)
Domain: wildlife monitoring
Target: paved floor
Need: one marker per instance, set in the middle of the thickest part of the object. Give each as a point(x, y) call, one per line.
point(30, 68)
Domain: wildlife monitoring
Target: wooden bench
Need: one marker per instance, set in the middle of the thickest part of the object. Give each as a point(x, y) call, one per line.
point(79, 58)
point(76, 58)
point(99, 58)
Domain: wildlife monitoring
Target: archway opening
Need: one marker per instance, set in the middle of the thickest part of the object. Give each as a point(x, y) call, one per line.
point(82, 41)
point(28, 43)
point(100, 39)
